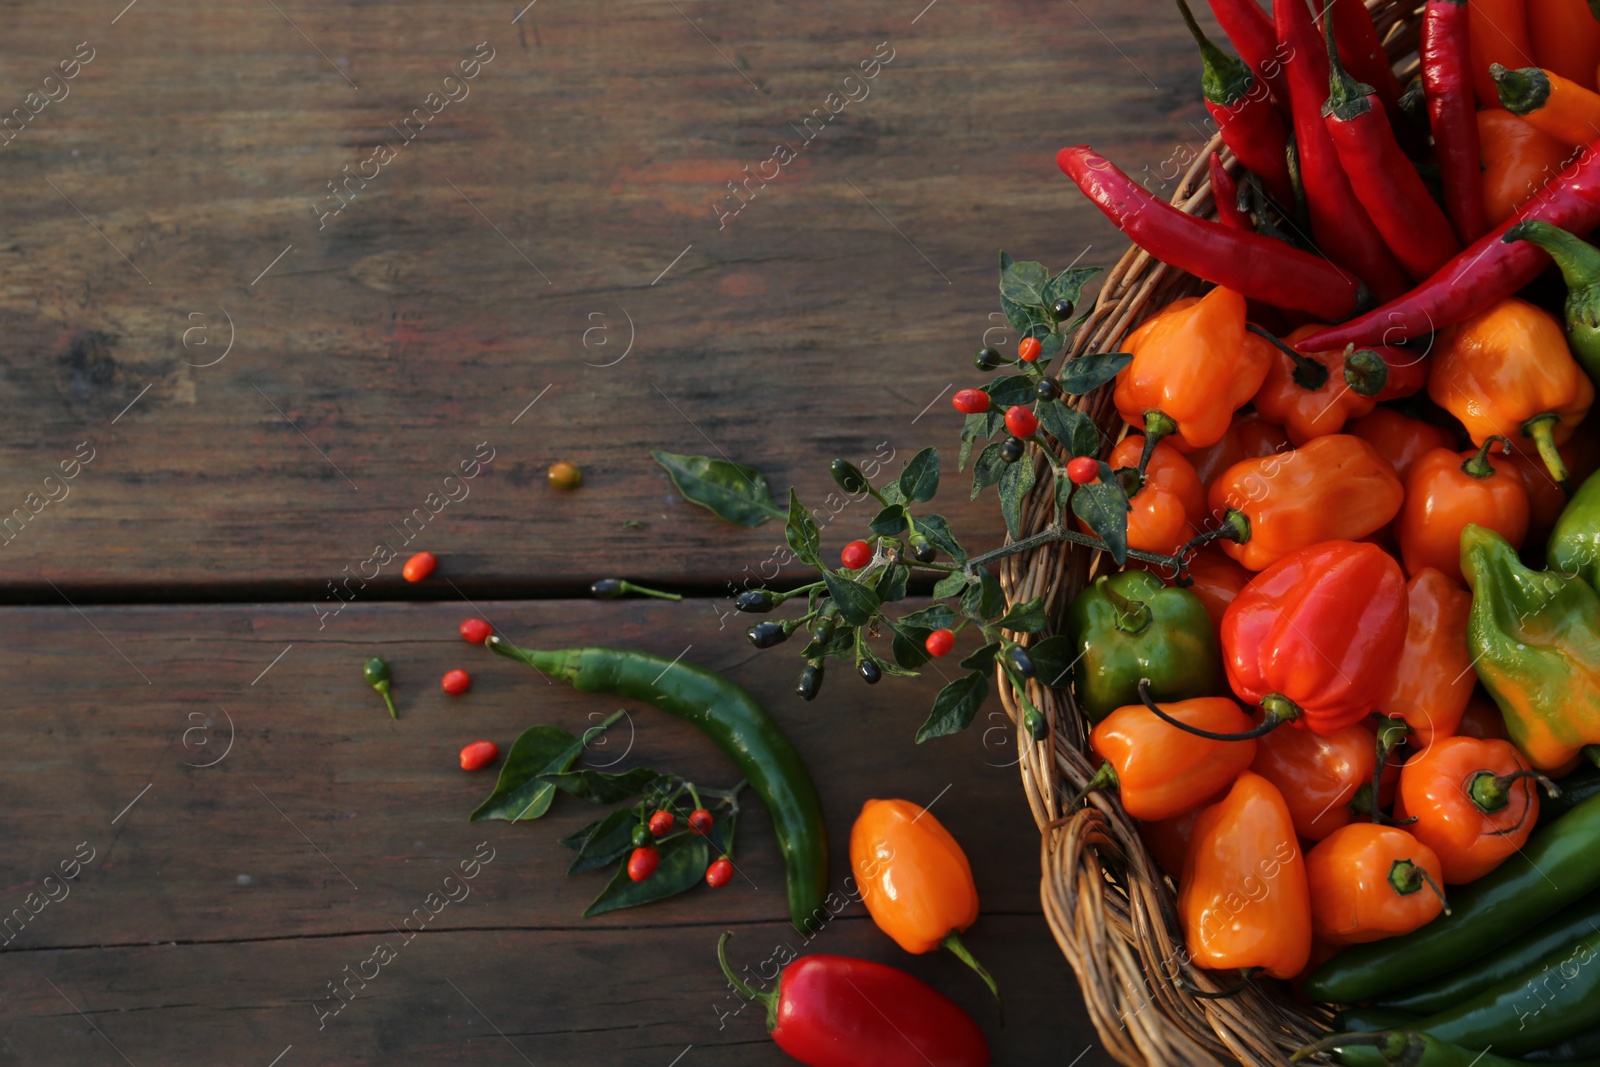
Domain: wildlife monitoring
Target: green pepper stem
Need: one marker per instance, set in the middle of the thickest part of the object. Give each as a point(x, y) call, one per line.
point(1235, 527)
point(953, 943)
point(1309, 374)
point(1347, 98)
point(629, 587)
point(1542, 429)
point(1479, 466)
point(1520, 91)
point(769, 999)
point(1491, 792)
point(1282, 710)
point(1133, 616)
point(1398, 1047)
point(383, 690)
point(1225, 80)
point(1104, 778)
point(1391, 731)
point(1157, 425)
point(1578, 260)
point(1365, 372)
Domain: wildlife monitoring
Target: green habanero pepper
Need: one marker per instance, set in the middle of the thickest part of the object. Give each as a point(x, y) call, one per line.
point(1579, 262)
point(1406, 1048)
point(1575, 542)
point(376, 672)
point(1534, 637)
point(1130, 626)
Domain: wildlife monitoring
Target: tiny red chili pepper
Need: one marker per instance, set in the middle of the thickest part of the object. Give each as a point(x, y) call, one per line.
point(855, 555)
point(661, 823)
point(419, 566)
point(1021, 422)
point(643, 862)
point(1447, 84)
point(1082, 470)
point(971, 401)
point(1225, 196)
point(939, 643)
point(700, 821)
point(478, 755)
point(720, 873)
point(1028, 349)
point(475, 630)
point(456, 682)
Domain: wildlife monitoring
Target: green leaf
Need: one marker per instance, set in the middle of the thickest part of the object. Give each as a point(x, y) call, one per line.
point(683, 864)
point(978, 424)
point(842, 641)
point(1050, 346)
point(1005, 261)
point(951, 584)
point(932, 617)
point(520, 793)
point(1009, 390)
point(955, 706)
point(891, 493)
point(735, 492)
point(1104, 506)
point(857, 604)
point(1053, 660)
point(604, 841)
point(801, 533)
point(1026, 617)
point(890, 521)
point(1075, 430)
point(892, 583)
point(908, 645)
point(1068, 285)
point(1022, 318)
point(937, 530)
point(984, 598)
point(605, 787)
point(1024, 282)
point(920, 480)
point(1064, 489)
point(983, 658)
point(1015, 482)
point(1088, 373)
point(988, 469)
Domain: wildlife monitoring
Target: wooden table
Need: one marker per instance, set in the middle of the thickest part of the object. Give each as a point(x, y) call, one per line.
point(543, 261)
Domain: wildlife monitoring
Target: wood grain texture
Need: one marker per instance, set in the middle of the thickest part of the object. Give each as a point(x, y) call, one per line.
point(144, 209)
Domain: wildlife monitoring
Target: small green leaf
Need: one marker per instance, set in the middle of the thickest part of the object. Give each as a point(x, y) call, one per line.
point(735, 492)
point(932, 617)
point(988, 469)
point(892, 584)
point(1053, 660)
point(520, 793)
point(890, 521)
point(951, 584)
point(1005, 260)
point(1022, 318)
point(1024, 282)
point(907, 646)
point(891, 493)
point(1068, 285)
point(1075, 430)
point(607, 840)
point(801, 532)
point(984, 598)
point(1050, 346)
point(604, 787)
point(920, 480)
point(841, 641)
point(857, 604)
point(983, 423)
point(937, 530)
point(1009, 390)
point(683, 864)
point(1026, 617)
point(1088, 373)
point(955, 706)
point(1064, 489)
point(983, 658)
point(1015, 482)
point(1104, 507)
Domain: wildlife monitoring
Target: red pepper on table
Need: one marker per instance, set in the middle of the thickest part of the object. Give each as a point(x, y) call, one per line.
point(1250, 30)
point(1225, 196)
point(1258, 267)
point(1388, 186)
point(1447, 85)
point(835, 1011)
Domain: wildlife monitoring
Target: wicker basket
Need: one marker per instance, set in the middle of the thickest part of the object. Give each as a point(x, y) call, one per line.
point(1111, 909)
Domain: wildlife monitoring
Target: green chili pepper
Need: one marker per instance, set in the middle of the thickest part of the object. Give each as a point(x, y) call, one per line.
point(1406, 1048)
point(1585, 1046)
point(377, 674)
point(1368, 1019)
point(1557, 866)
point(740, 726)
point(1535, 643)
point(1451, 989)
point(1579, 262)
point(1576, 787)
point(1130, 626)
point(1575, 542)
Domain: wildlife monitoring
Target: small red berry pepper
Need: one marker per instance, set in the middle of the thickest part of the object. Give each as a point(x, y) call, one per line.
point(643, 862)
point(1083, 470)
point(456, 682)
point(1028, 349)
point(855, 555)
point(1021, 422)
point(478, 755)
point(720, 873)
point(939, 643)
point(475, 630)
point(419, 566)
point(971, 401)
point(700, 821)
point(661, 823)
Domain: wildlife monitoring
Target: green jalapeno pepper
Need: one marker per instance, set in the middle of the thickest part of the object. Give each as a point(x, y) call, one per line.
point(1407, 1048)
point(1575, 541)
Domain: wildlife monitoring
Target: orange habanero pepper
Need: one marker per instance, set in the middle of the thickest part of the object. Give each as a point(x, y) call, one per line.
point(1398, 438)
point(914, 879)
point(1313, 394)
point(1243, 896)
point(1193, 367)
point(1473, 801)
point(1434, 679)
point(1518, 160)
point(1332, 488)
point(1443, 494)
point(1158, 770)
point(1508, 371)
point(1566, 38)
point(1216, 580)
point(1559, 106)
point(1370, 882)
point(1168, 839)
point(1248, 437)
point(1169, 507)
point(1317, 774)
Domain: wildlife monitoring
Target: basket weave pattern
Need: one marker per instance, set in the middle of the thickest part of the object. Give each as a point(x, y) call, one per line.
point(1112, 911)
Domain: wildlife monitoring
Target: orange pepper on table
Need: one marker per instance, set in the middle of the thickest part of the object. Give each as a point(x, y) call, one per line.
point(1160, 771)
point(1518, 160)
point(1498, 33)
point(1308, 393)
point(1433, 682)
point(1398, 438)
point(1474, 801)
point(1508, 371)
point(1444, 493)
point(1367, 883)
point(1318, 775)
point(1332, 488)
point(1248, 437)
point(1566, 38)
point(1243, 896)
point(1561, 107)
point(1169, 507)
point(1193, 366)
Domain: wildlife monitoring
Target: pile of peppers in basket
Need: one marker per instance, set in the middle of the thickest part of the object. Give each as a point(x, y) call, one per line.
point(1358, 722)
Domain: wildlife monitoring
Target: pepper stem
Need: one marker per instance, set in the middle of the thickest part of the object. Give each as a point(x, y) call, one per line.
point(953, 943)
point(383, 691)
point(1491, 792)
point(1399, 1048)
point(1541, 429)
point(1365, 372)
point(1479, 466)
point(629, 587)
point(1133, 616)
point(1235, 527)
point(1104, 778)
point(1391, 731)
point(769, 999)
point(1279, 711)
point(1156, 426)
point(1578, 260)
point(1225, 80)
point(1347, 98)
point(562, 663)
point(1309, 374)
point(1521, 91)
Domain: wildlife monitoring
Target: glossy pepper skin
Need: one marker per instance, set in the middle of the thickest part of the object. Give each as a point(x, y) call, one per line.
point(1314, 636)
point(1499, 34)
point(1130, 626)
point(1398, 438)
point(1535, 643)
point(1575, 541)
point(1517, 159)
point(1449, 489)
point(1433, 680)
point(1579, 263)
point(1249, 436)
point(835, 1011)
point(1507, 371)
point(1447, 85)
point(1468, 808)
point(1546, 498)
point(1307, 394)
point(1160, 771)
point(1170, 506)
point(1332, 488)
point(1216, 580)
point(1565, 110)
point(1317, 774)
point(1366, 885)
point(1243, 897)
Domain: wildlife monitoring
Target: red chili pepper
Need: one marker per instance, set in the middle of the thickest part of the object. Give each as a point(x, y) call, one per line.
point(971, 401)
point(456, 682)
point(1021, 422)
point(720, 873)
point(475, 630)
point(478, 755)
point(1082, 470)
point(643, 862)
point(661, 822)
point(834, 1011)
point(1388, 186)
point(1361, 52)
point(1248, 263)
point(1482, 275)
point(855, 555)
point(1447, 85)
point(419, 566)
point(700, 821)
point(939, 643)
point(1028, 349)
point(1339, 223)
point(1225, 195)
point(1250, 31)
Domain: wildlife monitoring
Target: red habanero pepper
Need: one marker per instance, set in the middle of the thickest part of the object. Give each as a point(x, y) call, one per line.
point(1474, 803)
point(1340, 225)
point(1313, 638)
point(1361, 52)
point(1483, 274)
point(1318, 774)
point(1314, 394)
point(1261, 268)
point(1498, 33)
point(835, 1011)
point(1248, 437)
point(1216, 580)
point(1225, 197)
point(1250, 31)
point(1415, 228)
point(1443, 494)
point(1169, 507)
point(1433, 681)
point(1447, 86)
point(1398, 438)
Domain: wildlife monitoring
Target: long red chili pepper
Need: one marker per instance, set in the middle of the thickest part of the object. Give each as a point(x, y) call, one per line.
point(1240, 105)
point(1225, 194)
point(1452, 114)
point(1248, 263)
point(1361, 51)
point(1339, 223)
point(1413, 226)
point(1250, 30)
point(1483, 274)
